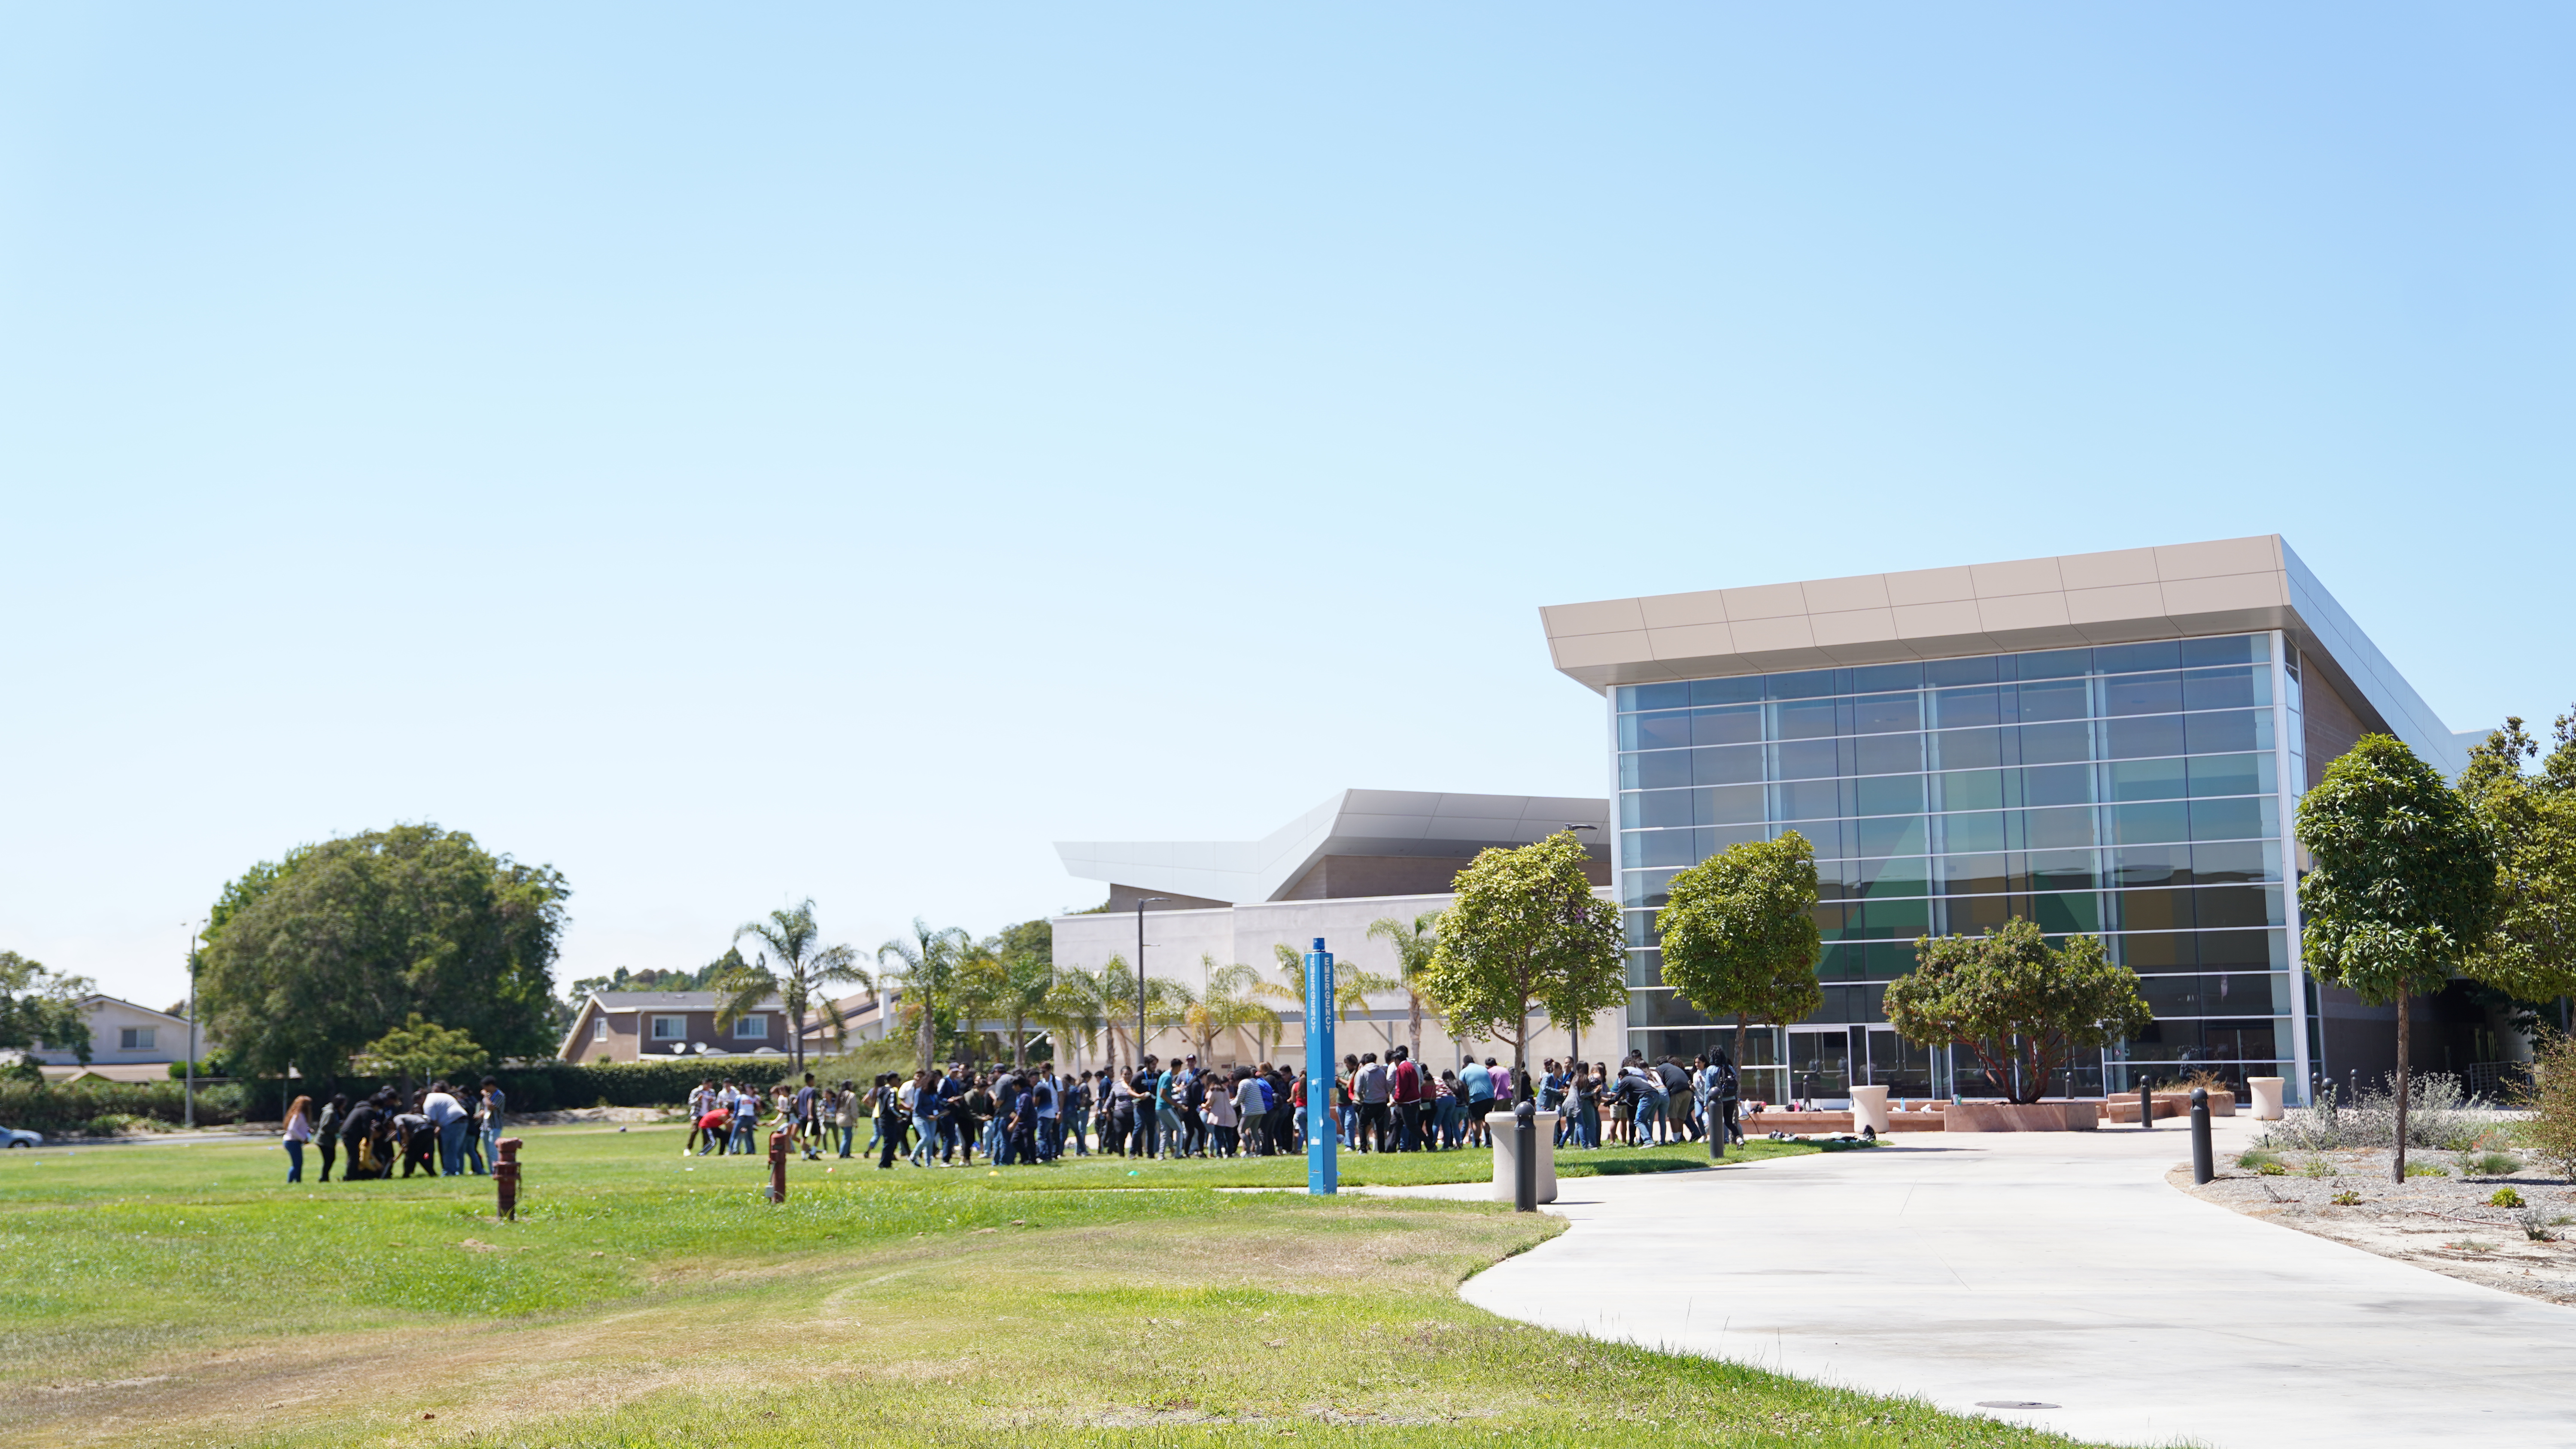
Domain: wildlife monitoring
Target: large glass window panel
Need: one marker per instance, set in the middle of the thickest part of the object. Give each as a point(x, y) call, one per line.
point(1889, 920)
point(2243, 816)
point(1713, 841)
point(2155, 734)
point(2231, 995)
point(1734, 725)
point(1742, 689)
point(2068, 911)
point(1806, 800)
point(2063, 870)
point(1974, 749)
point(1974, 875)
point(2051, 664)
point(1731, 805)
point(1644, 887)
point(2232, 775)
point(2144, 951)
point(1655, 809)
point(1888, 960)
point(1660, 696)
point(2153, 910)
point(2240, 1040)
point(2051, 743)
point(2150, 823)
point(1978, 669)
point(2131, 658)
point(2239, 688)
point(2066, 829)
point(1803, 760)
point(1662, 770)
point(2057, 785)
point(1975, 789)
point(1727, 765)
point(1656, 848)
point(2056, 699)
point(2236, 862)
point(1978, 832)
point(1665, 1008)
point(2230, 731)
point(1889, 835)
point(1641, 929)
point(1663, 731)
point(2238, 649)
point(1889, 794)
point(1645, 968)
point(2152, 865)
point(2234, 907)
point(2245, 950)
point(1804, 719)
point(2158, 693)
point(1961, 708)
point(1904, 876)
point(1975, 915)
point(1873, 678)
point(2144, 779)
point(1824, 837)
point(1880, 714)
point(1805, 684)
point(1888, 754)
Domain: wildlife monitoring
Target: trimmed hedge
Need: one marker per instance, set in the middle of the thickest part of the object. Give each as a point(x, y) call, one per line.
point(102, 1109)
point(558, 1086)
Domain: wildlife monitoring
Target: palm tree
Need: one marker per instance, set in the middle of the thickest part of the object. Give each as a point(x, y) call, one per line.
point(1231, 1004)
point(930, 963)
point(1413, 947)
point(1026, 977)
point(1074, 1007)
point(804, 967)
point(1351, 986)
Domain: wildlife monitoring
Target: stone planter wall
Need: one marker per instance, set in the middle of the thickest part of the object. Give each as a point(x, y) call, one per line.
point(2022, 1117)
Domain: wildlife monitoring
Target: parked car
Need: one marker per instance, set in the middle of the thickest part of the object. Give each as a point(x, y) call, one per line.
point(16, 1138)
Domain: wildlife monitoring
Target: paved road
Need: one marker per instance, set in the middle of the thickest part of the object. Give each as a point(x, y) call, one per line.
point(2059, 1268)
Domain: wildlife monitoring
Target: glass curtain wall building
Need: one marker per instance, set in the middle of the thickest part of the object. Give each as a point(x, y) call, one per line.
point(2109, 744)
point(2135, 791)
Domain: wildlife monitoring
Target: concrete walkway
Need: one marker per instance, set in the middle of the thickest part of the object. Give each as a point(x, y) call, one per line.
point(2056, 1268)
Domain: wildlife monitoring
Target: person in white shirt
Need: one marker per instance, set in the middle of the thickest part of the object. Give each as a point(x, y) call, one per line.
point(448, 1115)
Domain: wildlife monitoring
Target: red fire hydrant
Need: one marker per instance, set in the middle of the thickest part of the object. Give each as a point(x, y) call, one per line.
point(505, 1175)
point(778, 1167)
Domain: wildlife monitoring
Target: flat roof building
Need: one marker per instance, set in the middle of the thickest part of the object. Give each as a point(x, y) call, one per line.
point(2108, 743)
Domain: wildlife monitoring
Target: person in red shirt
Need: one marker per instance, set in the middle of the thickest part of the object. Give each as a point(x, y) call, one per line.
point(1408, 1094)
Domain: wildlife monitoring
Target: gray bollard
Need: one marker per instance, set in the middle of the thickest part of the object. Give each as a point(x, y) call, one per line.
point(2202, 1168)
point(1525, 1157)
point(2146, 1107)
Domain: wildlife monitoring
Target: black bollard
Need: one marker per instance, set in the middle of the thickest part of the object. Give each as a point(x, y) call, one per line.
point(2202, 1169)
point(2146, 1106)
point(1525, 1157)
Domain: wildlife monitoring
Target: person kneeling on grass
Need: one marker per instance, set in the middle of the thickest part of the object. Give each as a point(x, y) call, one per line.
point(708, 1131)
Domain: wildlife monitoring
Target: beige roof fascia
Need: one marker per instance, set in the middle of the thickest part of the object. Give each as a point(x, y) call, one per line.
point(2178, 591)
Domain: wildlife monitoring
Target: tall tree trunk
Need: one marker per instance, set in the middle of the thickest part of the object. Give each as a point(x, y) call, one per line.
point(2397, 1168)
point(1413, 1022)
point(924, 1044)
point(1739, 1046)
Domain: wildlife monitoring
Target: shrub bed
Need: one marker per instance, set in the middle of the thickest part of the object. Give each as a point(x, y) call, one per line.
point(102, 1109)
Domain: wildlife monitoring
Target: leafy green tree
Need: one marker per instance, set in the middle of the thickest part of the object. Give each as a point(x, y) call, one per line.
point(1352, 987)
point(927, 967)
point(1413, 945)
point(2022, 1008)
point(1233, 1002)
point(801, 979)
point(41, 1009)
point(1075, 1008)
point(1739, 934)
point(420, 1051)
point(2531, 822)
point(2402, 887)
point(307, 960)
point(1526, 932)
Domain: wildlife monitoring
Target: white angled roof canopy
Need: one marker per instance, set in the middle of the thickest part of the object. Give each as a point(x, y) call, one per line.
point(1354, 822)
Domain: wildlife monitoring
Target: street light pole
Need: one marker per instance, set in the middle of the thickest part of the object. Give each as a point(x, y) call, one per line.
point(1141, 903)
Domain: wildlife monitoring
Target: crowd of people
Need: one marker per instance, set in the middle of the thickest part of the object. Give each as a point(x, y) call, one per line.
point(1177, 1108)
point(1025, 1115)
point(440, 1130)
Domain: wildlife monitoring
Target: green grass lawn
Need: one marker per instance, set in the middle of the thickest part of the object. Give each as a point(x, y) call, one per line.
point(184, 1294)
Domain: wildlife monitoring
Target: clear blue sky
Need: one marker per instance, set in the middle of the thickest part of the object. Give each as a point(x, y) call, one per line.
point(837, 451)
